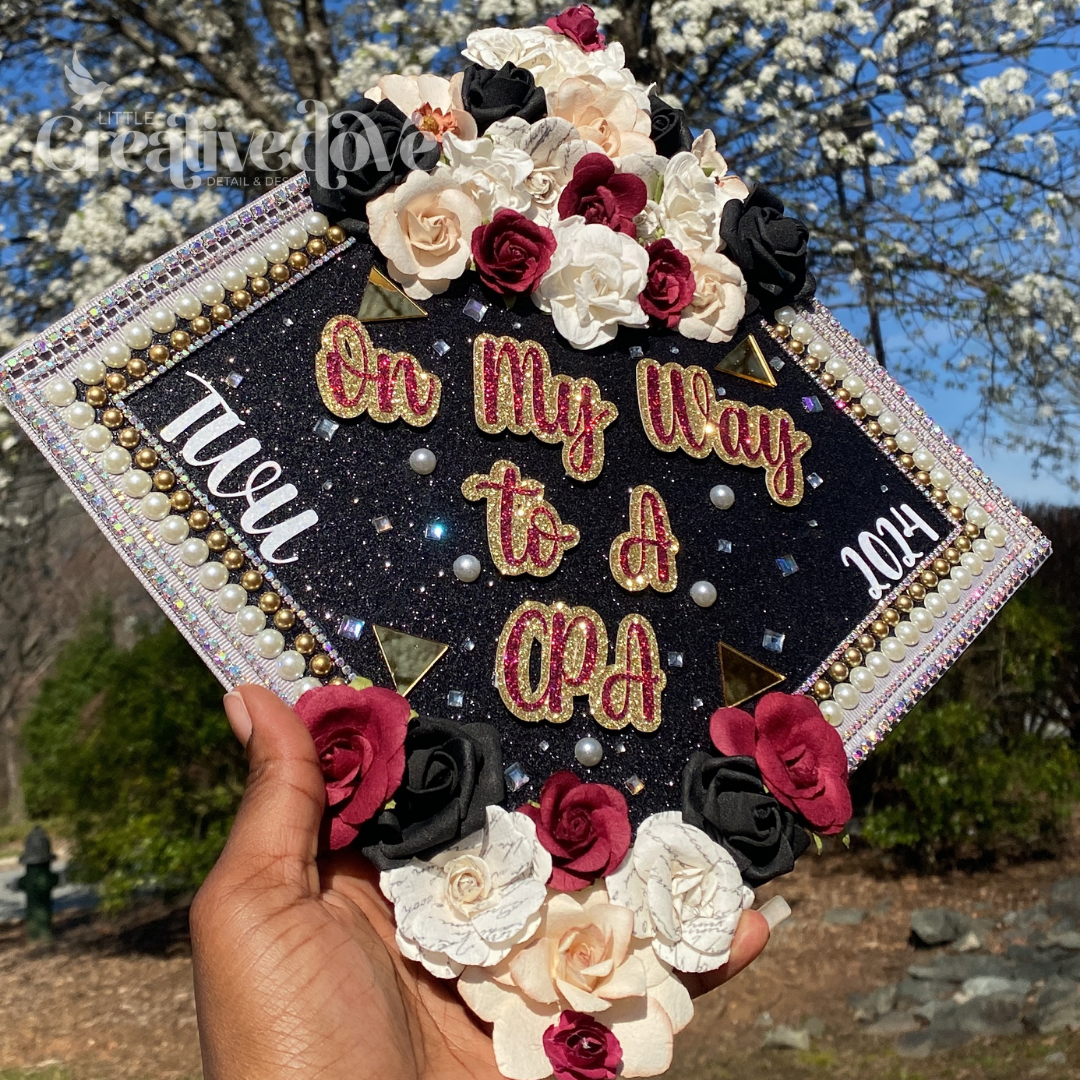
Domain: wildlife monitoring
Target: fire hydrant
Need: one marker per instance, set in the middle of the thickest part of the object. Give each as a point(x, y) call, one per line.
point(38, 883)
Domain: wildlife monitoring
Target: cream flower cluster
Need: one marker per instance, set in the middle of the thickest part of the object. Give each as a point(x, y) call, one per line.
point(424, 226)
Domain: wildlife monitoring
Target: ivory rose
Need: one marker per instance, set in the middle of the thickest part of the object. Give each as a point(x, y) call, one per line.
point(610, 117)
point(432, 103)
point(493, 174)
point(719, 298)
point(691, 205)
point(424, 228)
point(585, 958)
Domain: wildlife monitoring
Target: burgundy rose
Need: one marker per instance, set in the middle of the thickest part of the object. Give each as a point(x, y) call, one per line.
point(581, 1048)
point(602, 196)
point(585, 827)
point(513, 253)
point(670, 285)
point(800, 755)
point(579, 25)
point(360, 738)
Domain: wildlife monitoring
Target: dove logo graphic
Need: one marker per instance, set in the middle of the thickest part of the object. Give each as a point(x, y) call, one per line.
point(82, 82)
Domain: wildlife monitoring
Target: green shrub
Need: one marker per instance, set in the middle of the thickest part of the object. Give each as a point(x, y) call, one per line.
point(132, 750)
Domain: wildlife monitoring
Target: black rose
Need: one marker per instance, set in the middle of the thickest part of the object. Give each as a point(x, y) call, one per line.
point(453, 772)
point(769, 248)
point(497, 95)
point(370, 145)
point(725, 797)
point(670, 132)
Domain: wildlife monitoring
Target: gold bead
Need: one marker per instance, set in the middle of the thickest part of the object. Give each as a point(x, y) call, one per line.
point(298, 260)
point(826, 380)
point(146, 458)
point(112, 418)
point(321, 664)
point(217, 540)
point(241, 299)
point(843, 395)
point(782, 332)
point(890, 444)
point(838, 672)
point(279, 272)
point(115, 382)
point(269, 602)
point(198, 520)
point(338, 680)
point(866, 643)
point(251, 580)
point(221, 313)
point(128, 438)
point(200, 325)
point(891, 616)
point(164, 480)
point(858, 411)
point(259, 286)
point(873, 428)
point(916, 591)
point(952, 556)
point(939, 495)
point(158, 354)
point(906, 462)
point(904, 603)
point(852, 657)
point(304, 643)
point(181, 500)
point(970, 529)
point(921, 478)
point(822, 690)
point(96, 396)
point(233, 558)
point(962, 543)
point(956, 513)
point(929, 579)
point(179, 339)
point(316, 248)
point(795, 346)
point(811, 363)
point(136, 368)
point(941, 567)
point(335, 234)
point(285, 618)
point(880, 629)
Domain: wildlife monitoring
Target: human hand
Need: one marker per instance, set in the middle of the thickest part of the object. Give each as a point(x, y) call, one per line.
point(296, 970)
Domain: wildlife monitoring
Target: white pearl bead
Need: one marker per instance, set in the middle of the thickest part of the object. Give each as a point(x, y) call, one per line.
point(922, 620)
point(836, 367)
point(949, 589)
point(785, 316)
point(194, 552)
point(703, 593)
point(96, 438)
point(233, 278)
point(173, 529)
point(907, 633)
point(722, 497)
point(60, 392)
point(872, 403)
point(984, 549)
point(250, 620)
point(79, 415)
point(941, 478)
point(878, 663)
point(889, 421)
point(466, 568)
point(161, 319)
point(862, 679)
point(972, 563)
point(136, 484)
point(977, 515)
point(832, 712)
point(137, 335)
point(819, 349)
point(90, 371)
point(995, 534)
point(316, 223)
point(211, 293)
point(936, 604)
point(894, 649)
point(296, 237)
point(958, 496)
point(155, 507)
point(116, 460)
point(304, 685)
point(854, 385)
point(422, 461)
point(923, 459)
point(188, 306)
point(845, 695)
point(231, 598)
point(212, 576)
point(277, 251)
point(117, 355)
point(290, 666)
point(269, 643)
point(906, 441)
point(588, 751)
point(255, 265)
point(802, 331)
point(962, 576)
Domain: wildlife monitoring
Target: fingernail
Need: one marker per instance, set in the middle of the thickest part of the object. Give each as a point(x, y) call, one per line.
point(238, 716)
point(775, 911)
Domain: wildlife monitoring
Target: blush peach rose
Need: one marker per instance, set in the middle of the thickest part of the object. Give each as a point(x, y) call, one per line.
point(432, 103)
point(610, 117)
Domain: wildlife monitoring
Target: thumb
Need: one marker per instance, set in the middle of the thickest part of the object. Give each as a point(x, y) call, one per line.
point(275, 837)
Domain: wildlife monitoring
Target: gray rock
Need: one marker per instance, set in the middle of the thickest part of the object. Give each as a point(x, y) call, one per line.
point(1065, 897)
point(1064, 939)
point(937, 1012)
point(893, 1024)
point(988, 985)
point(939, 925)
point(814, 1027)
point(970, 942)
point(765, 1020)
point(920, 991)
point(1071, 969)
point(1057, 988)
point(868, 1007)
point(1060, 1015)
point(931, 1040)
point(783, 1037)
point(960, 968)
point(844, 916)
point(995, 1014)
point(1056, 1058)
point(1032, 916)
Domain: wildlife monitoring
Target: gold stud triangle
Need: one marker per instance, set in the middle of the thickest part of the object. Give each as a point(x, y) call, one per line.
point(747, 361)
point(383, 301)
point(743, 677)
point(408, 658)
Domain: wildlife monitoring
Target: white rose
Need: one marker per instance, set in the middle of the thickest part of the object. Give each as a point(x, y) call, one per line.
point(593, 284)
point(719, 298)
point(470, 904)
point(691, 204)
point(685, 891)
point(424, 228)
point(494, 175)
point(432, 103)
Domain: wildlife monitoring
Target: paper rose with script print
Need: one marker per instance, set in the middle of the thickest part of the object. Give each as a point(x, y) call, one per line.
point(471, 903)
point(584, 957)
